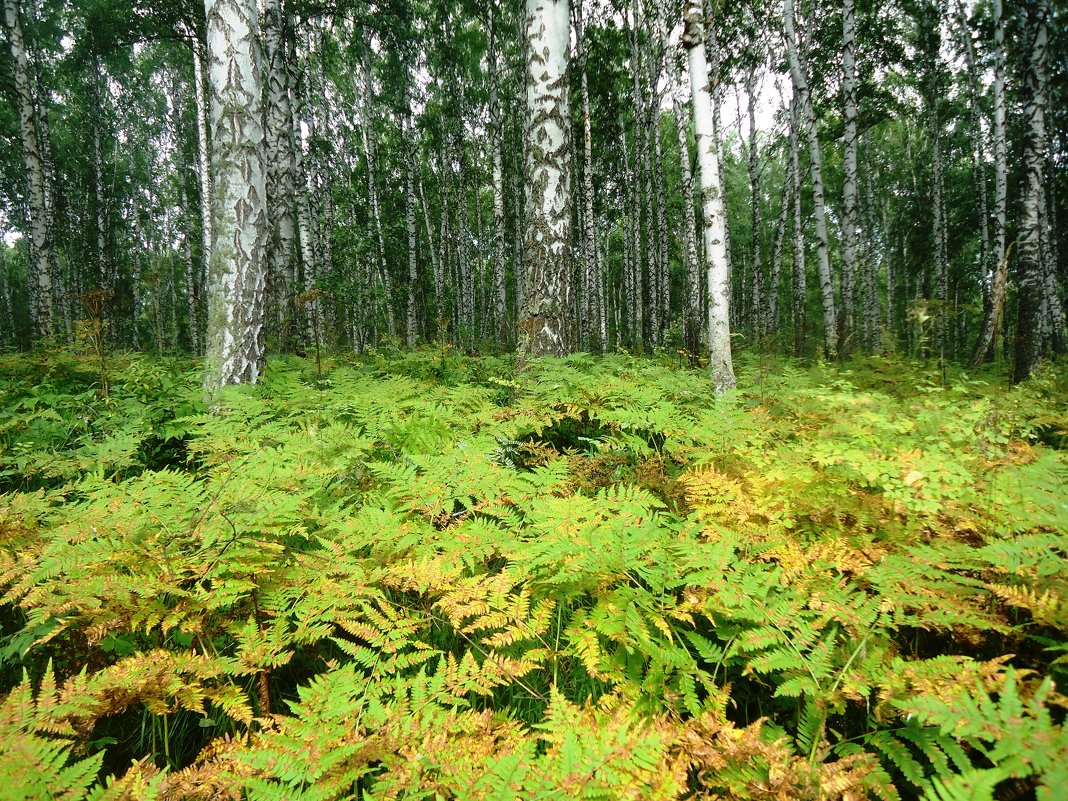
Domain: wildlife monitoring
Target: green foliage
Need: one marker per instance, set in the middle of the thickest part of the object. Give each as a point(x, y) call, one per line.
point(585, 580)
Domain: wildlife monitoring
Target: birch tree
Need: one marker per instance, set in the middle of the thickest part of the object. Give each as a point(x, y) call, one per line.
point(33, 159)
point(1030, 322)
point(995, 309)
point(713, 209)
point(281, 184)
point(808, 121)
point(544, 323)
point(237, 270)
point(849, 166)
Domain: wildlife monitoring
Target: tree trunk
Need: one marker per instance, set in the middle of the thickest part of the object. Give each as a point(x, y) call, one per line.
point(500, 298)
point(849, 170)
point(713, 210)
point(281, 181)
point(544, 324)
point(800, 288)
point(203, 174)
point(591, 278)
point(804, 97)
point(932, 34)
point(775, 281)
point(41, 231)
point(412, 325)
point(236, 273)
point(760, 315)
point(1032, 286)
point(692, 311)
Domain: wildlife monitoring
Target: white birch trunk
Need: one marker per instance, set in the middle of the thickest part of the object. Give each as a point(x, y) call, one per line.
point(849, 167)
point(33, 158)
point(500, 298)
point(544, 324)
point(800, 288)
point(713, 210)
point(808, 116)
point(760, 311)
point(203, 172)
point(984, 347)
point(281, 180)
point(236, 274)
point(692, 313)
point(1033, 289)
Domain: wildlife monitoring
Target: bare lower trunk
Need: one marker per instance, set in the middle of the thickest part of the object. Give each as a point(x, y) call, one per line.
point(33, 158)
point(849, 170)
point(985, 345)
point(544, 324)
point(760, 312)
point(775, 281)
point(281, 179)
point(713, 210)
point(237, 271)
point(500, 298)
point(203, 173)
point(800, 289)
point(808, 118)
point(692, 310)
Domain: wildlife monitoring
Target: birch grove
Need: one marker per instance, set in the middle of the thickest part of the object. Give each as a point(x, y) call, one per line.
point(539, 176)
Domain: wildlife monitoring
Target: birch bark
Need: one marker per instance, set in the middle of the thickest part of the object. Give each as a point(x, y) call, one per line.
point(713, 216)
point(849, 184)
point(236, 273)
point(544, 324)
point(41, 232)
point(808, 116)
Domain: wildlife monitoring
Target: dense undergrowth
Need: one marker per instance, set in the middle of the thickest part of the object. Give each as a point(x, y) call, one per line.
point(430, 577)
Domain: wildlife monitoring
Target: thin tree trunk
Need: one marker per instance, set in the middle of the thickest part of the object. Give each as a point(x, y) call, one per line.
point(933, 36)
point(713, 215)
point(849, 169)
point(203, 175)
point(409, 217)
point(772, 320)
point(760, 315)
point(500, 297)
point(692, 312)
point(800, 288)
point(797, 71)
point(281, 178)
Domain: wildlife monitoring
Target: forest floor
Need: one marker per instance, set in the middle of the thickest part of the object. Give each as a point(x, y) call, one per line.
point(420, 575)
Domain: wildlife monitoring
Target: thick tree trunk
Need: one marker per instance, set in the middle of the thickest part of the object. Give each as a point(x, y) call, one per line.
point(1032, 285)
point(33, 159)
point(236, 274)
point(544, 324)
point(808, 116)
point(713, 210)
